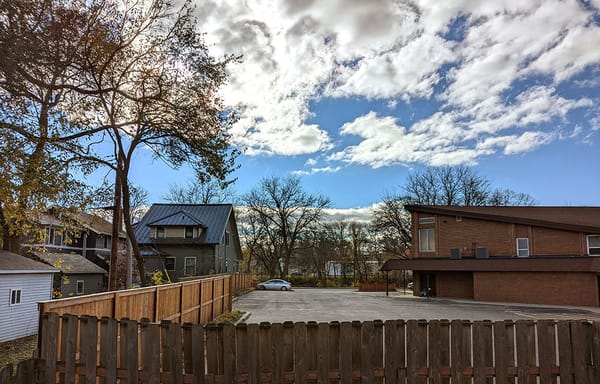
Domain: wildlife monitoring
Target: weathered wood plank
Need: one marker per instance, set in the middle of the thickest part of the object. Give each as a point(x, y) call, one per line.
point(88, 345)
point(346, 352)
point(323, 352)
point(367, 342)
point(229, 353)
point(504, 350)
point(546, 337)
point(300, 352)
point(526, 351)
point(150, 350)
point(565, 352)
point(68, 347)
point(49, 345)
point(482, 351)
point(460, 356)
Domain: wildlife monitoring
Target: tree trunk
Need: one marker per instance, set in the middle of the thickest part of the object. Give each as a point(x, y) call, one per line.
point(116, 226)
point(129, 228)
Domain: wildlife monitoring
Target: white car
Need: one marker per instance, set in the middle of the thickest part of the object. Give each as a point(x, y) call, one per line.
point(275, 284)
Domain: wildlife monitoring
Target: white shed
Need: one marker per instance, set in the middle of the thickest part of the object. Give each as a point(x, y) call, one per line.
point(23, 283)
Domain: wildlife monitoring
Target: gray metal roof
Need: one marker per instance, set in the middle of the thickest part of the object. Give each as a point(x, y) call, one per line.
point(70, 263)
point(177, 219)
point(213, 216)
point(13, 263)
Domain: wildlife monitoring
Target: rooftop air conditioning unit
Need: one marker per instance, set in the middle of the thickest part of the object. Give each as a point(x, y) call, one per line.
point(455, 253)
point(482, 253)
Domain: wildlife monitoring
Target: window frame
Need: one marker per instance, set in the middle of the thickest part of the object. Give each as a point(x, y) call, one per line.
point(15, 297)
point(185, 265)
point(77, 290)
point(161, 232)
point(427, 220)
point(430, 239)
point(519, 249)
point(174, 263)
point(185, 232)
point(590, 248)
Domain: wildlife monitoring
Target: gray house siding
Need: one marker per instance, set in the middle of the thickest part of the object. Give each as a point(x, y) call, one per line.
point(91, 284)
point(204, 256)
point(21, 320)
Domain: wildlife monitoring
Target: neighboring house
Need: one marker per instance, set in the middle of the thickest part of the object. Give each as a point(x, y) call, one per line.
point(545, 255)
point(93, 239)
point(78, 275)
point(23, 283)
point(189, 240)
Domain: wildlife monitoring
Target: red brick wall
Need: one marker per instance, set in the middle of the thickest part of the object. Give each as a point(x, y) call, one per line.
point(455, 284)
point(561, 288)
point(499, 238)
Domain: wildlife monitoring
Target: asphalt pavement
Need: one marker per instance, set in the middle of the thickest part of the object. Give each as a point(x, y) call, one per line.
point(336, 304)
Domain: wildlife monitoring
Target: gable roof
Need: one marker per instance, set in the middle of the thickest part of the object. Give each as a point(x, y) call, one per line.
point(11, 263)
point(70, 263)
point(178, 218)
point(213, 217)
point(581, 219)
point(89, 221)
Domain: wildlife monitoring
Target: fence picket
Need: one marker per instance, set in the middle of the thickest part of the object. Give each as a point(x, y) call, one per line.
point(128, 331)
point(346, 352)
point(367, 341)
point(277, 351)
point(300, 352)
point(547, 350)
point(323, 353)
point(565, 354)
point(88, 345)
point(526, 351)
point(68, 348)
point(108, 349)
point(482, 351)
point(581, 350)
point(229, 355)
point(150, 353)
point(504, 350)
point(253, 361)
point(49, 344)
point(460, 356)
point(287, 342)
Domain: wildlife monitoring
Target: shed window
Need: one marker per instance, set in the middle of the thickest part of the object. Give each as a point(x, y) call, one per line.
point(427, 240)
point(80, 287)
point(593, 244)
point(190, 265)
point(15, 296)
point(170, 263)
point(523, 247)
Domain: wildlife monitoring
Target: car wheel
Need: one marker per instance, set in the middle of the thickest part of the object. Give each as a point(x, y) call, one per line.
point(284, 288)
point(262, 287)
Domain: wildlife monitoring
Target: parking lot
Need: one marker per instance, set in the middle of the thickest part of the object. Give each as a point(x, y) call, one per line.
point(312, 304)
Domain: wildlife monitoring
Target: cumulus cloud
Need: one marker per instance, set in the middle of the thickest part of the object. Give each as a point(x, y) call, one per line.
point(493, 72)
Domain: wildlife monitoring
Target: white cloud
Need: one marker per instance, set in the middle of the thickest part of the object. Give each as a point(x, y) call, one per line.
point(312, 171)
point(296, 52)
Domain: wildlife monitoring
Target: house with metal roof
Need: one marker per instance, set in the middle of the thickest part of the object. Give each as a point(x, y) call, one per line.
point(23, 283)
point(544, 255)
point(185, 240)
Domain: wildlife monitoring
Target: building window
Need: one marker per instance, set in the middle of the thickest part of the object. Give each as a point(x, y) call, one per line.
point(170, 263)
point(458, 219)
point(226, 240)
point(15, 296)
point(426, 220)
point(53, 236)
point(190, 265)
point(593, 244)
point(160, 232)
point(80, 287)
point(522, 247)
point(189, 232)
point(427, 240)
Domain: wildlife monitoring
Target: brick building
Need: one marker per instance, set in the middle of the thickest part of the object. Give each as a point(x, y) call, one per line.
point(544, 255)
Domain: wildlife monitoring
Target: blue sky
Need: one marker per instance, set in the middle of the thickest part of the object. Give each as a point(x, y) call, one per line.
point(354, 95)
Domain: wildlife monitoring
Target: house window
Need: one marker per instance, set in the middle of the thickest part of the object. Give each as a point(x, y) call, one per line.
point(522, 247)
point(426, 220)
point(53, 236)
point(593, 244)
point(15, 296)
point(170, 263)
point(80, 287)
point(226, 240)
point(160, 232)
point(190, 265)
point(458, 219)
point(189, 232)
point(427, 240)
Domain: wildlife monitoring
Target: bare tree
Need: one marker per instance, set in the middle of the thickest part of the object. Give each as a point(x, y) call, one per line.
point(194, 192)
point(459, 185)
point(284, 210)
point(392, 222)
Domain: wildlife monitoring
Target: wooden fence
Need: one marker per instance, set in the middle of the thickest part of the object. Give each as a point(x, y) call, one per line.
point(395, 351)
point(194, 301)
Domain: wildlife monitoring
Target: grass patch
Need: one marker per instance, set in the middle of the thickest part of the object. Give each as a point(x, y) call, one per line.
point(15, 351)
point(228, 318)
